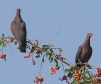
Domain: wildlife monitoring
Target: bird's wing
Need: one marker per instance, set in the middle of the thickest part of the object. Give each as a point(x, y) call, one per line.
point(78, 54)
point(15, 31)
point(90, 53)
point(23, 33)
point(91, 50)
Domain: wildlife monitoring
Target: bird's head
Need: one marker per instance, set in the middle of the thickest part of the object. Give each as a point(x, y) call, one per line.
point(17, 16)
point(18, 10)
point(89, 35)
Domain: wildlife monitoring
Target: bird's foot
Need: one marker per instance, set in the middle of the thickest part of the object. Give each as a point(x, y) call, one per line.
point(80, 62)
point(86, 64)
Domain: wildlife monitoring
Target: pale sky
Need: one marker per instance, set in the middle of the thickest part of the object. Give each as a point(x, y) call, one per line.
point(43, 19)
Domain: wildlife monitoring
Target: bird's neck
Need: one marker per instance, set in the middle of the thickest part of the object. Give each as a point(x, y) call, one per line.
point(18, 16)
point(87, 42)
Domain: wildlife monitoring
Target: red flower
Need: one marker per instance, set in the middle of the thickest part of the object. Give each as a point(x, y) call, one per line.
point(35, 43)
point(38, 79)
point(53, 70)
point(33, 62)
point(11, 39)
point(37, 50)
point(29, 54)
point(3, 56)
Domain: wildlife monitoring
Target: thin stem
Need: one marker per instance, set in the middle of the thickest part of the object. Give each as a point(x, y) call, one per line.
point(41, 65)
point(63, 68)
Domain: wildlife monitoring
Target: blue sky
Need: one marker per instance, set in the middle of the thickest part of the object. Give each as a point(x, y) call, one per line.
point(43, 19)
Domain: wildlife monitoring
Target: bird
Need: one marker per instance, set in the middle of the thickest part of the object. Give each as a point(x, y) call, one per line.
point(18, 29)
point(84, 51)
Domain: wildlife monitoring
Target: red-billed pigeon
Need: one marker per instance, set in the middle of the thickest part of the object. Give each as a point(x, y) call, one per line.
point(18, 29)
point(84, 51)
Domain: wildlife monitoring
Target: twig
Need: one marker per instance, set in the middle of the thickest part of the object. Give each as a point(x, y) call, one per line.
point(59, 58)
point(11, 48)
point(63, 68)
point(55, 48)
point(29, 41)
point(41, 66)
point(5, 37)
point(54, 36)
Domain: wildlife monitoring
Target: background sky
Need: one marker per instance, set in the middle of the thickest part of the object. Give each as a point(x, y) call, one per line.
point(43, 19)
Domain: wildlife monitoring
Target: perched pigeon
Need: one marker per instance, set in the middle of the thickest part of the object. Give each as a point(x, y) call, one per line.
point(84, 51)
point(18, 29)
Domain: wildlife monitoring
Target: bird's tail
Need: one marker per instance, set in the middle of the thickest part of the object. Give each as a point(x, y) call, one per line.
point(22, 48)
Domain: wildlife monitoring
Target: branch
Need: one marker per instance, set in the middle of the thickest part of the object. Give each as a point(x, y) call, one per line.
point(62, 59)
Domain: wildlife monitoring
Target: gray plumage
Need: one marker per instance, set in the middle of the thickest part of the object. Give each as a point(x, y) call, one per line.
point(18, 29)
point(84, 51)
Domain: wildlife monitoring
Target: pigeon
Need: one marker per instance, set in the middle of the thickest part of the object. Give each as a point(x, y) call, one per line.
point(18, 29)
point(84, 51)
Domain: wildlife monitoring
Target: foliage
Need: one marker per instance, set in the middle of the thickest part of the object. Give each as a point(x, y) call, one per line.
point(81, 75)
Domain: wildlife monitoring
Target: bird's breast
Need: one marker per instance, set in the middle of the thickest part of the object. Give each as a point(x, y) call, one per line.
point(85, 55)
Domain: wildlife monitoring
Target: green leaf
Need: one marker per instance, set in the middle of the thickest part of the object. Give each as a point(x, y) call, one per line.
point(47, 53)
point(51, 59)
point(70, 67)
point(43, 59)
point(70, 74)
point(4, 44)
point(67, 70)
point(73, 82)
point(27, 46)
point(52, 52)
point(44, 46)
point(0, 43)
point(49, 45)
point(55, 61)
point(58, 67)
point(89, 67)
point(15, 42)
point(33, 49)
point(45, 49)
point(37, 56)
point(82, 68)
point(37, 45)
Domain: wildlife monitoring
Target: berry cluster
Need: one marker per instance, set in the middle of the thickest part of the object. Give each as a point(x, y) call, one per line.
point(3, 56)
point(97, 79)
point(59, 56)
point(98, 71)
point(77, 76)
point(53, 70)
point(64, 78)
point(35, 43)
point(11, 39)
point(60, 50)
point(38, 79)
point(33, 62)
point(29, 54)
point(37, 50)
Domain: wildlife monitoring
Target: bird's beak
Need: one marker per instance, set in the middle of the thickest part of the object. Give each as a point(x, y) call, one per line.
point(92, 36)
